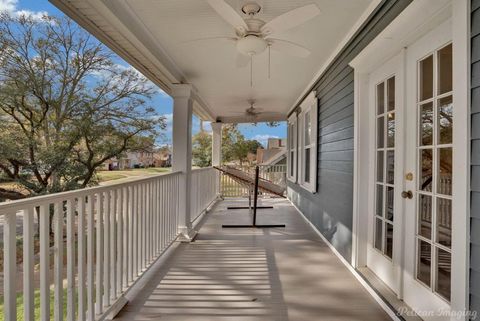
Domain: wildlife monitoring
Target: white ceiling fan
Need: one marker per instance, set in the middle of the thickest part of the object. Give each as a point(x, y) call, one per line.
point(254, 36)
point(252, 113)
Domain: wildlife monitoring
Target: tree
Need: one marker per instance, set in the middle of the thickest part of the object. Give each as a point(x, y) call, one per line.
point(66, 106)
point(202, 149)
point(235, 146)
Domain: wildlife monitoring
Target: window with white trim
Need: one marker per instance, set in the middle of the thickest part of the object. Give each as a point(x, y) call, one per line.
point(292, 148)
point(307, 120)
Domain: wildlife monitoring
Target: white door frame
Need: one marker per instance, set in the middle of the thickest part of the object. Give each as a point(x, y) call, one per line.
point(415, 21)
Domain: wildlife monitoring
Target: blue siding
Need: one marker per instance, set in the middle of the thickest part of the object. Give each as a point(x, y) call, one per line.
point(330, 209)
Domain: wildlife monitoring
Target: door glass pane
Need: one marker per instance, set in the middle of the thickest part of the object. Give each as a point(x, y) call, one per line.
point(308, 129)
point(426, 169)
point(444, 184)
point(389, 198)
point(424, 262)
point(426, 78)
point(445, 120)
point(445, 69)
point(378, 234)
point(391, 130)
point(379, 207)
point(444, 222)
point(425, 216)
point(391, 94)
point(390, 167)
point(426, 125)
point(380, 98)
point(307, 165)
point(380, 132)
point(380, 166)
point(388, 240)
point(444, 267)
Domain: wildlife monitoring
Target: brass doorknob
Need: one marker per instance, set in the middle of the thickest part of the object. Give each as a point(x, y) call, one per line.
point(407, 194)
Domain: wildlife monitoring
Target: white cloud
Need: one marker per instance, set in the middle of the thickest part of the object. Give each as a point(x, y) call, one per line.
point(263, 139)
point(10, 6)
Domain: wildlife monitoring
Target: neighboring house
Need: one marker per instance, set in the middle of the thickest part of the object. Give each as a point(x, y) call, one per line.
point(163, 157)
point(274, 154)
point(141, 159)
point(131, 160)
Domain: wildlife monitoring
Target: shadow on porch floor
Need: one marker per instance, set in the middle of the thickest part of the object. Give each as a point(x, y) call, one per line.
point(248, 275)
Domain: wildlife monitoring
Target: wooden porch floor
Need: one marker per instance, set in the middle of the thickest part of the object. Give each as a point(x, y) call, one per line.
point(248, 275)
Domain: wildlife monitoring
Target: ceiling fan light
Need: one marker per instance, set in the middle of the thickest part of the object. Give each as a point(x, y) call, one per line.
point(251, 45)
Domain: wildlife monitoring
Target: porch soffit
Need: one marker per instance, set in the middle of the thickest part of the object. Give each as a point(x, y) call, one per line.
point(149, 35)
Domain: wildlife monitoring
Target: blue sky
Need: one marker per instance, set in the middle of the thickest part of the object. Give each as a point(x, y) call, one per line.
point(162, 102)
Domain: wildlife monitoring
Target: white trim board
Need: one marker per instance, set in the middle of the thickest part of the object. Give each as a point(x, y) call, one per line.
point(355, 273)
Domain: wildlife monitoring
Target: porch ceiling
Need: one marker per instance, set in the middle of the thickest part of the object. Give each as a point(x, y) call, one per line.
point(151, 35)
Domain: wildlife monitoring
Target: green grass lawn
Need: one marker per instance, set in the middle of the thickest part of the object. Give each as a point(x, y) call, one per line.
point(20, 306)
point(105, 176)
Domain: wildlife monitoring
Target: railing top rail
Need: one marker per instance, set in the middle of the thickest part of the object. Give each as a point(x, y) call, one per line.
point(201, 169)
point(13, 206)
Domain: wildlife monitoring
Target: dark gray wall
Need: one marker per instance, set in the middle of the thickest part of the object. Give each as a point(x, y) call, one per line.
point(475, 175)
point(330, 209)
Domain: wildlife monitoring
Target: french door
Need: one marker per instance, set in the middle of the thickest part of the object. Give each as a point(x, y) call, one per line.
point(386, 110)
point(411, 173)
point(429, 155)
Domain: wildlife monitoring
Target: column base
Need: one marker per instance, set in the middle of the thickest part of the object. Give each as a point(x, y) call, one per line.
point(186, 235)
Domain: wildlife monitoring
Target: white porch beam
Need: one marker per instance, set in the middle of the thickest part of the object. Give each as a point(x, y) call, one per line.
point(182, 154)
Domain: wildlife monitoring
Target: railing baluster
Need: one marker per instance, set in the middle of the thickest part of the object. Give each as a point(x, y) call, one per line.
point(28, 264)
point(10, 266)
point(147, 224)
point(127, 259)
point(99, 255)
point(71, 259)
point(164, 214)
point(58, 262)
point(136, 206)
point(114, 249)
point(81, 258)
point(154, 219)
point(90, 258)
point(121, 246)
point(45, 262)
point(107, 207)
point(144, 226)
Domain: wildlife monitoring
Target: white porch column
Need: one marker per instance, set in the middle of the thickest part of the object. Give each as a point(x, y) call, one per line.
point(216, 144)
point(182, 154)
point(217, 153)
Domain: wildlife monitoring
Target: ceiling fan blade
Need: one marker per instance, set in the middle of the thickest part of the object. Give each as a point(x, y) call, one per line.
point(228, 14)
point(289, 48)
point(291, 19)
point(210, 38)
point(242, 60)
point(274, 115)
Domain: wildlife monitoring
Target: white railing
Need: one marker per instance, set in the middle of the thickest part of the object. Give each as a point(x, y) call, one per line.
point(101, 241)
point(205, 189)
point(276, 174)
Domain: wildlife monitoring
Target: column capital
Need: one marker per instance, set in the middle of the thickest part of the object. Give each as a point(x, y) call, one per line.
point(182, 91)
